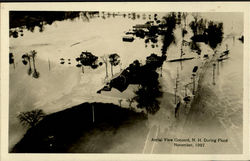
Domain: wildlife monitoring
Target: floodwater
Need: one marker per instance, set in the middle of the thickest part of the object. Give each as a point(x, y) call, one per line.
point(214, 107)
point(215, 112)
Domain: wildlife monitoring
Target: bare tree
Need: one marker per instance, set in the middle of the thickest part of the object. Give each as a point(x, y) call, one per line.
point(31, 118)
point(105, 60)
point(184, 16)
point(29, 70)
point(36, 74)
point(114, 60)
point(120, 102)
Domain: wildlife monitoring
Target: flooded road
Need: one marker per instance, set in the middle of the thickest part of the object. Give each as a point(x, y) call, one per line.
point(215, 112)
point(213, 107)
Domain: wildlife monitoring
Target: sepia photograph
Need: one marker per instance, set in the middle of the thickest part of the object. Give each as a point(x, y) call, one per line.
point(125, 82)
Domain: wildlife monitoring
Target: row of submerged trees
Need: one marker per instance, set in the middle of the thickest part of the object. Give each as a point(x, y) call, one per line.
point(20, 20)
point(31, 19)
point(88, 59)
point(132, 15)
point(205, 31)
point(85, 59)
point(27, 59)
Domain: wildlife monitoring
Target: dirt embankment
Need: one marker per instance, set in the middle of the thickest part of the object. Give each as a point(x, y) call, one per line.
point(95, 127)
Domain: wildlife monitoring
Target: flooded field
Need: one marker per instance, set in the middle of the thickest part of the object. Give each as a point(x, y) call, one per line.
point(195, 90)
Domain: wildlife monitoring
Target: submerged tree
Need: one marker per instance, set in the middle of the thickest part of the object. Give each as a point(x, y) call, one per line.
point(193, 24)
point(146, 97)
point(120, 102)
point(114, 60)
point(154, 61)
point(195, 47)
point(198, 26)
point(26, 60)
point(30, 69)
point(214, 34)
point(149, 90)
point(24, 57)
point(11, 59)
point(36, 74)
point(105, 61)
point(41, 26)
point(130, 101)
point(169, 22)
point(241, 39)
point(133, 16)
point(78, 64)
point(31, 118)
point(184, 16)
point(87, 59)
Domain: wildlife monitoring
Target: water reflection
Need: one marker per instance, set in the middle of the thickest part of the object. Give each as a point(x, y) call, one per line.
point(242, 39)
point(205, 31)
point(26, 59)
point(11, 59)
point(29, 20)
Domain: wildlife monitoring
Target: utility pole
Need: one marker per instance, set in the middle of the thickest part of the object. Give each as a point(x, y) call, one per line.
point(13, 60)
point(105, 60)
point(161, 70)
point(14, 64)
point(176, 86)
point(227, 50)
point(218, 65)
point(93, 113)
point(185, 91)
point(82, 69)
point(186, 88)
point(120, 102)
point(49, 64)
point(181, 65)
point(214, 66)
point(181, 53)
point(193, 77)
point(120, 67)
